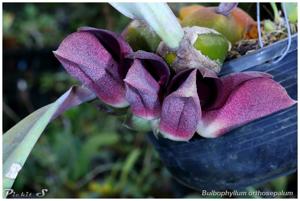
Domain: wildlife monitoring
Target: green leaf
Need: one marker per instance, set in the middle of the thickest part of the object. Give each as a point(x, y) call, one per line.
point(128, 166)
point(292, 11)
point(19, 140)
point(214, 46)
point(90, 149)
point(275, 12)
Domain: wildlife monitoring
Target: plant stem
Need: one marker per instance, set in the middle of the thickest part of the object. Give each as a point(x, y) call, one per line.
point(275, 11)
point(158, 16)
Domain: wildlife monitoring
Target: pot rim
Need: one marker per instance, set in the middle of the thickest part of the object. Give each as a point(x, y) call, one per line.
point(260, 56)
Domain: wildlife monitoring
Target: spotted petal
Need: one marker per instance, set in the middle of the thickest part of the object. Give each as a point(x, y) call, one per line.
point(145, 82)
point(181, 111)
point(248, 101)
point(231, 82)
point(95, 57)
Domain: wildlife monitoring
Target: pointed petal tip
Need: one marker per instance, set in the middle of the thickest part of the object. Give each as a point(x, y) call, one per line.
point(207, 73)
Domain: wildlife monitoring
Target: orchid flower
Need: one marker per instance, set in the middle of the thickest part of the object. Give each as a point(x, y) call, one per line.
point(105, 63)
point(145, 81)
point(196, 100)
point(96, 58)
point(199, 101)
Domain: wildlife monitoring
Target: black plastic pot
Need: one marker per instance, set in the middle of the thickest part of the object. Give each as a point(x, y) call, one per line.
point(249, 155)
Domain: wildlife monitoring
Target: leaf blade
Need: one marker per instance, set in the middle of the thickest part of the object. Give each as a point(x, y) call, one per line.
point(20, 140)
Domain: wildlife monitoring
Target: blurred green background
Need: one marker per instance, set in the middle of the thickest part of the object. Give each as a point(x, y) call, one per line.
point(86, 152)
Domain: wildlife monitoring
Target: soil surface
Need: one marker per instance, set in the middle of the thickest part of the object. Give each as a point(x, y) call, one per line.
point(268, 37)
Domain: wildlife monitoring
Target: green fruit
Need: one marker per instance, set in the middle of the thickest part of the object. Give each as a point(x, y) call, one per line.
point(200, 47)
point(141, 37)
point(236, 26)
point(214, 46)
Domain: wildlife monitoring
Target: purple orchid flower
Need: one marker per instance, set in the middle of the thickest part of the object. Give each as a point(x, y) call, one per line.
point(199, 101)
point(96, 57)
point(105, 63)
point(145, 82)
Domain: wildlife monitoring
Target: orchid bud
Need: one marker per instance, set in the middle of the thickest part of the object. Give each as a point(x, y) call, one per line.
point(200, 47)
point(141, 37)
point(235, 25)
point(96, 58)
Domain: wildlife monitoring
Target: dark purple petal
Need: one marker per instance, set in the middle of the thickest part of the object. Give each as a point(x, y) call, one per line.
point(178, 79)
point(85, 58)
point(181, 111)
point(208, 87)
point(154, 64)
point(114, 44)
point(142, 92)
point(250, 100)
point(145, 82)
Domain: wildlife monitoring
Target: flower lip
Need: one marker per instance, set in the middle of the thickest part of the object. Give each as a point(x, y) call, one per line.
point(154, 64)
